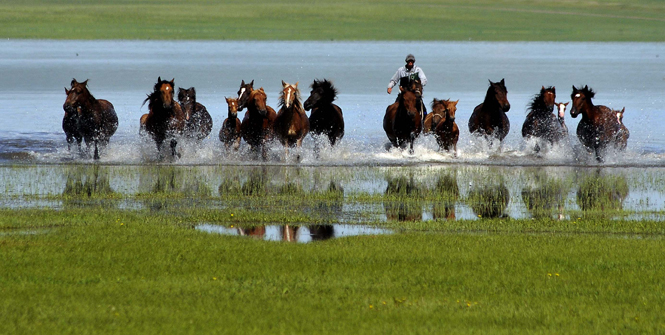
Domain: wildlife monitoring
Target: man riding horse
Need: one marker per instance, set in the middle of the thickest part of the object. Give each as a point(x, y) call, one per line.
point(413, 73)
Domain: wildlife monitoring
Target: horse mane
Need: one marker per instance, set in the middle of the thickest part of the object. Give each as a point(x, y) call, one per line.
point(588, 92)
point(538, 102)
point(329, 91)
point(296, 100)
point(155, 94)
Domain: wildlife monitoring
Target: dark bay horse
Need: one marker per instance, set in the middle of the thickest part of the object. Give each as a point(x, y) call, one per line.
point(326, 118)
point(403, 121)
point(230, 132)
point(243, 94)
point(540, 123)
point(489, 118)
point(198, 122)
point(441, 122)
point(165, 119)
point(88, 118)
point(291, 124)
point(600, 127)
point(256, 127)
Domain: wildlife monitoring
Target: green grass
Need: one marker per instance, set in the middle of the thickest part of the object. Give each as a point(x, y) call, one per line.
point(428, 20)
point(115, 272)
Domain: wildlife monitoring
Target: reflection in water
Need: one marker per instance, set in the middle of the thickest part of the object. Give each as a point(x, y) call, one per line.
point(489, 201)
point(447, 190)
point(299, 234)
point(171, 181)
point(600, 193)
point(544, 195)
point(85, 182)
point(407, 205)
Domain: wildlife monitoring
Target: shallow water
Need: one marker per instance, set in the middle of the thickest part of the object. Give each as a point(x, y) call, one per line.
point(299, 234)
point(34, 73)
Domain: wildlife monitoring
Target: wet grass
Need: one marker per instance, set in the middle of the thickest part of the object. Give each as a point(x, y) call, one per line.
point(430, 20)
point(101, 271)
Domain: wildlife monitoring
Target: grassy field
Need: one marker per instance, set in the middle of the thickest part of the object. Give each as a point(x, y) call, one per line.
point(429, 20)
point(118, 272)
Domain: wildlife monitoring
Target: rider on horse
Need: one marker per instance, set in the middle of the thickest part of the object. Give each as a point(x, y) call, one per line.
point(412, 72)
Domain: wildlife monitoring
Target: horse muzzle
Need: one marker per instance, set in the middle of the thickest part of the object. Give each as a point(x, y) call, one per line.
point(505, 107)
point(263, 112)
point(307, 105)
point(574, 112)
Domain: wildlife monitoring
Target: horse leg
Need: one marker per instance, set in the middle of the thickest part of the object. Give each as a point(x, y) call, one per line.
point(96, 155)
point(174, 143)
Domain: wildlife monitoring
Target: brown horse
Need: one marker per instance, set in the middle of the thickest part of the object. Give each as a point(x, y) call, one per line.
point(600, 127)
point(489, 118)
point(230, 132)
point(326, 118)
point(243, 94)
point(256, 127)
point(540, 123)
point(403, 121)
point(441, 121)
point(88, 118)
point(291, 124)
point(165, 120)
point(198, 122)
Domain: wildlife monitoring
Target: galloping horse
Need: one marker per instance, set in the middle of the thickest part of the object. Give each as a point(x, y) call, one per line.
point(165, 120)
point(540, 123)
point(198, 122)
point(326, 118)
point(243, 94)
point(489, 118)
point(291, 124)
point(230, 132)
point(599, 126)
point(402, 121)
point(441, 121)
point(256, 127)
point(87, 118)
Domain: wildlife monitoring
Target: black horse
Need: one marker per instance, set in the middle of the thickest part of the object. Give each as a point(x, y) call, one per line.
point(198, 122)
point(326, 118)
point(540, 123)
point(489, 118)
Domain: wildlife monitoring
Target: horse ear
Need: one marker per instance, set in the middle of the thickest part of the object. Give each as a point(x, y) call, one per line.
point(456, 102)
point(159, 79)
point(503, 82)
point(283, 83)
point(66, 91)
point(623, 110)
point(242, 83)
point(252, 83)
point(172, 81)
point(85, 83)
point(574, 88)
point(542, 88)
point(297, 84)
point(73, 82)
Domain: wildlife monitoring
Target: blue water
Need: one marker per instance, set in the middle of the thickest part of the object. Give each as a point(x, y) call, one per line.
point(630, 75)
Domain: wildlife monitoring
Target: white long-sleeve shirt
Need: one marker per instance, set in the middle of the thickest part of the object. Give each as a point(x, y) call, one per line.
point(404, 72)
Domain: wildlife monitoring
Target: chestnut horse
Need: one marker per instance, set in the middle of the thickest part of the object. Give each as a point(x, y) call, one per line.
point(540, 123)
point(256, 127)
point(326, 118)
point(291, 124)
point(600, 126)
point(441, 121)
point(402, 121)
point(230, 132)
point(489, 118)
point(87, 118)
point(165, 120)
point(198, 122)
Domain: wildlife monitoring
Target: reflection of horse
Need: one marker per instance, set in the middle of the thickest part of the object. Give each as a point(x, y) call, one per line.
point(326, 118)
point(198, 122)
point(489, 201)
point(289, 233)
point(321, 232)
point(166, 119)
point(86, 182)
point(441, 121)
point(546, 194)
point(87, 118)
point(489, 118)
point(229, 134)
point(243, 94)
point(599, 126)
point(403, 121)
point(448, 191)
point(256, 127)
point(407, 206)
point(257, 232)
point(602, 193)
point(540, 123)
point(291, 124)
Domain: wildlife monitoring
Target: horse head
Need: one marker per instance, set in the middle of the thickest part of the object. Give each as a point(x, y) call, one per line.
point(561, 108)
point(581, 100)
point(233, 107)
point(187, 99)
point(243, 94)
point(500, 94)
point(290, 94)
point(620, 115)
point(408, 101)
point(77, 96)
point(163, 91)
point(413, 85)
point(322, 92)
point(257, 98)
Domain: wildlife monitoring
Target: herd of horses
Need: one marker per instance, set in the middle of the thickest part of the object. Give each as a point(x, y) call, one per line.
point(168, 120)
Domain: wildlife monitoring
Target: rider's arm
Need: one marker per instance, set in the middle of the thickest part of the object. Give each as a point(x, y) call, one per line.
point(393, 81)
point(421, 75)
